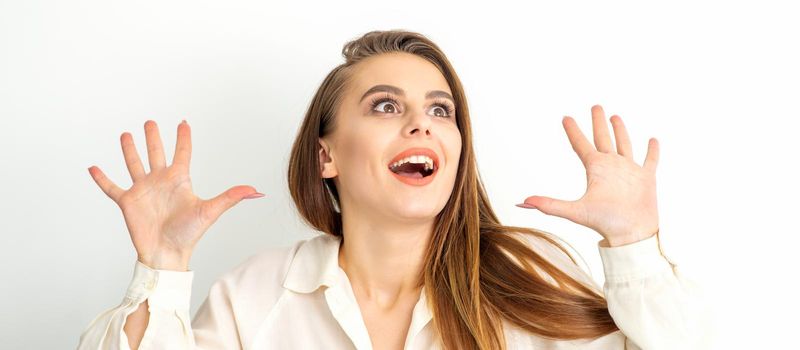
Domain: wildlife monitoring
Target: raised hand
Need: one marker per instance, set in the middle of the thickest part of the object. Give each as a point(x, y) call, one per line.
point(164, 217)
point(620, 198)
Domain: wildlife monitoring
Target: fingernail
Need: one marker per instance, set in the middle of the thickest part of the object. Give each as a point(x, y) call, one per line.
point(254, 195)
point(526, 206)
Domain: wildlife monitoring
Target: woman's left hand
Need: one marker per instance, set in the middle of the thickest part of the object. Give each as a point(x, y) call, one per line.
point(620, 198)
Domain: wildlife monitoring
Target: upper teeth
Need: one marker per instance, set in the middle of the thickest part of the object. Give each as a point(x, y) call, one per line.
point(416, 160)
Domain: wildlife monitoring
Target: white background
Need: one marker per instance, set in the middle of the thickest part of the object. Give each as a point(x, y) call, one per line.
point(716, 83)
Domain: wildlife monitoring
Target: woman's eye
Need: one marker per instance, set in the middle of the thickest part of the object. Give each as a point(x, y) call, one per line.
point(442, 110)
point(439, 111)
point(385, 107)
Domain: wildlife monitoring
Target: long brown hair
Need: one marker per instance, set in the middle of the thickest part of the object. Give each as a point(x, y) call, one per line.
point(477, 272)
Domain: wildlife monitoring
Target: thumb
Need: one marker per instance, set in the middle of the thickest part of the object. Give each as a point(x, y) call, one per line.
point(214, 207)
point(552, 206)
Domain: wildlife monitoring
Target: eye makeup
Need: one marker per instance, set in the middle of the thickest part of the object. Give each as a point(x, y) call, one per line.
point(380, 99)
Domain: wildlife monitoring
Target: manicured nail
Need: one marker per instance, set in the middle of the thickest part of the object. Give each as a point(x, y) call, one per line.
point(254, 195)
point(526, 206)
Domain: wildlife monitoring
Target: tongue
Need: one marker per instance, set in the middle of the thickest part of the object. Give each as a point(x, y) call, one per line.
point(416, 174)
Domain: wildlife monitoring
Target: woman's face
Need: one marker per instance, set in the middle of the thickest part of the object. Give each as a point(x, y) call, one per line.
point(397, 106)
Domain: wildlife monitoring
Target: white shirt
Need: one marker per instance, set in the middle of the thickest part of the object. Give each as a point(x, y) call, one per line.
point(298, 297)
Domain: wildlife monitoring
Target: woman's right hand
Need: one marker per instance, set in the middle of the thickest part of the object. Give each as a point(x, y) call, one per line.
point(164, 217)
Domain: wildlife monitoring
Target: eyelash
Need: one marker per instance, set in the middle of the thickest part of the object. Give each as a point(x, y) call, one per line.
point(388, 98)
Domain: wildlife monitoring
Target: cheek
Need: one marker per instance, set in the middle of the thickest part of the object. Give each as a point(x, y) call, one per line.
point(360, 150)
point(452, 145)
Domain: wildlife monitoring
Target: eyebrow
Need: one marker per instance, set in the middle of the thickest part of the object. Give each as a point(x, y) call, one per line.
point(398, 91)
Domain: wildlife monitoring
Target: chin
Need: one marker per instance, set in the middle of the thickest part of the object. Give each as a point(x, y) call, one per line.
point(417, 210)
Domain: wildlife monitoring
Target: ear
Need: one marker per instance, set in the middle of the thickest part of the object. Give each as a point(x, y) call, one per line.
point(326, 162)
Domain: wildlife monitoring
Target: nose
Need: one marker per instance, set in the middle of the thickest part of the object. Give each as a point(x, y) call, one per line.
point(418, 124)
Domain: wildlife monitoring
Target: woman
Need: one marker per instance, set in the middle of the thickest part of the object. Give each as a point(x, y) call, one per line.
point(412, 255)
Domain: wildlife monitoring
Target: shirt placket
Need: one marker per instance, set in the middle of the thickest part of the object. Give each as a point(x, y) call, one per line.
point(344, 307)
point(420, 317)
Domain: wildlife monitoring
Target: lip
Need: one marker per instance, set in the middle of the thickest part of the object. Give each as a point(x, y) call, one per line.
point(416, 151)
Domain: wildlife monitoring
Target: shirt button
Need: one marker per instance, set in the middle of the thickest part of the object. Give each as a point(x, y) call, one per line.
point(149, 284)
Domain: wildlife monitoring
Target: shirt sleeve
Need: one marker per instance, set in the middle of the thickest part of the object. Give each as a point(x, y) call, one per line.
point(168, 294)
point(655, 305)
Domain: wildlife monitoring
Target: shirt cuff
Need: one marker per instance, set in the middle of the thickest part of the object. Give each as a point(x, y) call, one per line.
point(164, 289)
point(633, 261)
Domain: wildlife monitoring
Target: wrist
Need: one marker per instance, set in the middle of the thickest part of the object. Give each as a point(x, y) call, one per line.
point(616, 241)
point(176, 261)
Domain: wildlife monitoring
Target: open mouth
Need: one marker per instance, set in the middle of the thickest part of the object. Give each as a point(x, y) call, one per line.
point(413, 170)
point(415, 166)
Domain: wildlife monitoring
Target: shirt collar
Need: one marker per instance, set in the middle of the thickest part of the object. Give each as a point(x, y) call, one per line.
point(316, 264)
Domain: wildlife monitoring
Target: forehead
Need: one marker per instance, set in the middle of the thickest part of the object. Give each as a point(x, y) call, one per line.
point(409, 72)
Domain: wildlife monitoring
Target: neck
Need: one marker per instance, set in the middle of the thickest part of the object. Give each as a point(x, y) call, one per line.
point(383, 262)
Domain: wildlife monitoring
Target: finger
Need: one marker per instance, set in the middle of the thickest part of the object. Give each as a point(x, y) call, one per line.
point(108, 187)
point(183, 147)
point(602, 138)
point(215, 207)
point(132, 161)
point(621, 136)
point(651, 159)
point(552, 206)
point(155, 150)
point(580, 144)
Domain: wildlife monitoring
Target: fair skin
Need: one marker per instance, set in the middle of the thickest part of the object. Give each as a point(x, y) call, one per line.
point(387, 224)
point(620, 200)
point(165, 219)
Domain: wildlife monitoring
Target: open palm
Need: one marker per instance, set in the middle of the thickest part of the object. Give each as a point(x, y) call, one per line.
point(620, 199)
point(164, 217)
